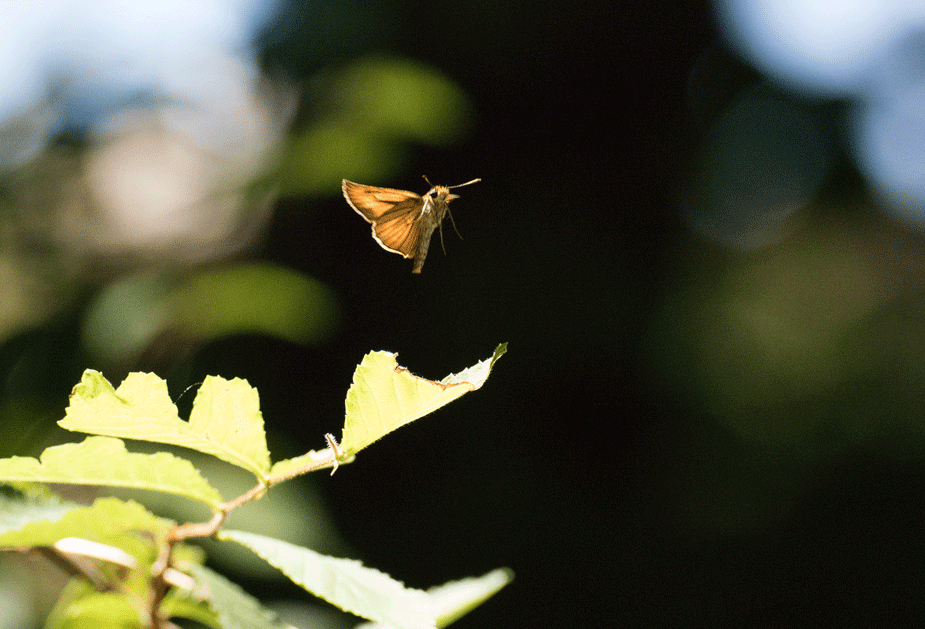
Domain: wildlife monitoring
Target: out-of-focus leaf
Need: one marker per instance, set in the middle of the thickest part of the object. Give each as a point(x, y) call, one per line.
point(80, 607)
point(180, 604)
point(404, 99)
point(31, 522)
point(256, 298)
point(234, 608)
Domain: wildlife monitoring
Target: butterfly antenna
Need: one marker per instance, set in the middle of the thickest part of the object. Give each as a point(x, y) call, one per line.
point(427, 180)
point(463, 184)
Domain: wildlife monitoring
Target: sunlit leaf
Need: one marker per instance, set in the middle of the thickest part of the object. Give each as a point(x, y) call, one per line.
point(19, 512)
point(31, 522)
point(384, 396)
point(105, 461)
point(225, 421)
point(234, 608)
point(344, 582)
point(455, 599)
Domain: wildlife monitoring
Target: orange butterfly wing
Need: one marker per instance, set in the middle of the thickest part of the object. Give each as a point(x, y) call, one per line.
point(394, 215)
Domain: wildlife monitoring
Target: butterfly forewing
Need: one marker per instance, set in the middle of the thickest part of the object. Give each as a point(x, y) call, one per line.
point(371, 202)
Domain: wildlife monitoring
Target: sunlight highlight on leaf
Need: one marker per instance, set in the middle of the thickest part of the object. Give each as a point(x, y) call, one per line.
point(225, 421)
point(43, 522)
point(455, 599)
point(385, 396)
point(105, 461)
point(344, 582)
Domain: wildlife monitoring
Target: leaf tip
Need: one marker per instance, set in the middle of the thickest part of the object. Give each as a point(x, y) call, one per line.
point(500, 351)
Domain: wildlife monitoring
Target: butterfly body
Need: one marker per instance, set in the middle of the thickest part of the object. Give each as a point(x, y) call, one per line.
point(402, 222)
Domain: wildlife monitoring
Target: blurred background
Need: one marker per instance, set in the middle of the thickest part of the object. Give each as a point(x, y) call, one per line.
point(699, 227)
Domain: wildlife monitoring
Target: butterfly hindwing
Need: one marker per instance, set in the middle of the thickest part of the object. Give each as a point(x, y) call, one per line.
point(399, 229)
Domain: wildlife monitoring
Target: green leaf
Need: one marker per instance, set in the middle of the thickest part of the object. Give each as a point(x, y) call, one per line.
point(178, 604)
point(105, 461)
point(225, 422)
point(455, 599)
point(405, 99)
point(19, 512)
point(235, 608)
point(256, 298)
point(43, 522)
point(80, 607)
point(384, 396)
point(344, 582)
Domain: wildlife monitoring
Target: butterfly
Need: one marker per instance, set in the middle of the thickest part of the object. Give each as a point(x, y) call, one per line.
point(403, 221)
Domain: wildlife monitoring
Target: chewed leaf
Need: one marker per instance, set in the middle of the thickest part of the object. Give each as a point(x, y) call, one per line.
point(105, 461)
point(384, 396)
point(225, 421)
point(344, 582)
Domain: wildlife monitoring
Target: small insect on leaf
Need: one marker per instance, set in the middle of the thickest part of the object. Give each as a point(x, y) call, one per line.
point(403, 221)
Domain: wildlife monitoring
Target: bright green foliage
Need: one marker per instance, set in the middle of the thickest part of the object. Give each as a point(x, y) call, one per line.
point(105, 461)
point(17, 513)
point(128, 546)
point(384, 396)
point(344, 582)
point(455, 599)
point(369, 593)
point(225, 421)
point(42, 522)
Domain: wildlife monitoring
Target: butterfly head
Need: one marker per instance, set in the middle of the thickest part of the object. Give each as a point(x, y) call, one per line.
point(441, 193)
